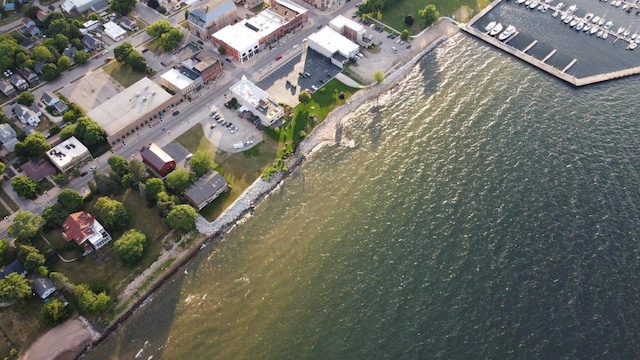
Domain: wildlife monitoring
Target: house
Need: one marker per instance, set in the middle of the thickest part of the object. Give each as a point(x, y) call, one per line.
point(32, 31)
point(37, 169)
point(36, 109)
point(61, 107)
point(42, 15)
point(30, 75)
point(26, 22)
point(78, 6)
point(27, 44)
point(128, 24)
point(9, 5)
point(26, 115)
point(8, 137)
point(206, 189)
point(85, 231)
point(7, 88)
point(91, 43)
point(100, 7)
point(68, 52)
point(157, 160)
point(91, 25)
point(43, 287)
point(115, 32)
point(19, 82)
point(38, 67)
point(49, 99)
point(14, 267)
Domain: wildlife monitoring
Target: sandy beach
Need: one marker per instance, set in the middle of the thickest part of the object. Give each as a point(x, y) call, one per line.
point(63, 342)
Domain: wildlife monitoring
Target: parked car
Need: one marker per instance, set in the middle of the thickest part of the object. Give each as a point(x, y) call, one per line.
point(227, 60)
point(93, 168)
point(108, 59)
point(278, 57)
point(315, 88)
point(176, 113)
point(307, 74)
point(409, 46)
point(248, 143)
point(84, 173)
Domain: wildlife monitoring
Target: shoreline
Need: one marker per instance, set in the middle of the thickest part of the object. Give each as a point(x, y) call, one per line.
point(326, 133)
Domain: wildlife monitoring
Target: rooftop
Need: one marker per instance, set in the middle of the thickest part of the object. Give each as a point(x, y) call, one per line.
point(247, 33)
point(207, 13)
point(249, 91)
point(333, 41)
point(341, 21)
point(155, 155)
point(178, 78)
point(66, 151)
point(113, 30)
point(205, 187)
point(287, 7)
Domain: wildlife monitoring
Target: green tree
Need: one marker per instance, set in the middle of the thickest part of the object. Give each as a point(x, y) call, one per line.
point(158, 28)
point(130, 246)
point(14, 287)
point(88, 131)
point(137, 170)
point(119, 165)
point(32, 12)
point(405, 35)
point(201, 162)
point(122, 51)
point(70, 200)
point(94, 16)
point(90, 301)
point(33, 145)
point(24, 186)
point(105, 184)
point(165, 203)
point(64, 63)
point(222, 50)
point(112, 213)
point(122, 7)
point(3, 167)
point(80, 57)
point(136, 61)
point(55, 312)
point(61, 281)
point(409, 20)
point(429, 15)
point(182, 217)
point(60, 42)
point(30, 257)
point(58, 26)
point(54, 216)
point(67, 131)
point(186, 14)
point(304, 97)
point(8, 48)
point(171, 39)
point(50, 72)
point(153, 187)
point(5, 251)
point(25, 98)
point(69, 116)
point(179, 180)
point(25, 226)
point(42, 53)
point(378, 76)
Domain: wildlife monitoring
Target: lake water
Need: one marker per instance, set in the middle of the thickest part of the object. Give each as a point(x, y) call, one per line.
point(486, 211)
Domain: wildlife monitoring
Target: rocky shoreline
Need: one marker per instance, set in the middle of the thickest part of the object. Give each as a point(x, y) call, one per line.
point(324, 134)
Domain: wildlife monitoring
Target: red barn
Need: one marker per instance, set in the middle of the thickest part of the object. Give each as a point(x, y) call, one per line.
point(157, 160)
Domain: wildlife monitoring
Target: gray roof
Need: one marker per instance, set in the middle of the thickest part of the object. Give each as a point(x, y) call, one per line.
point(68, 52)
point(100, 5)
point(42, 285)
point(201, 17)
point(6, 87)
point(90, 41)
point(16, 79)
point(39, 66)
point(20, 110)
point(126, 20)
point(7, 132)
point(205, 187)
point(14, 267)
point(61, 106)
point(49, 97)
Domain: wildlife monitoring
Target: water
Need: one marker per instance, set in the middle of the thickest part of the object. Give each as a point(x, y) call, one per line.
point(487, 211)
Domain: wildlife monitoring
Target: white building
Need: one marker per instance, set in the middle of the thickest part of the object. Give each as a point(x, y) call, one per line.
point(115, 32)
point(181, 80)
point(350, 29)
point(73, 6)
point(333, 45)
point(69, 154)
point(244, 39)
point(91, 25)
point(254, 98)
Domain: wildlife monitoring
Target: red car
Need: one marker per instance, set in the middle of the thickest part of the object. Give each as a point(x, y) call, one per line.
point(278, 57)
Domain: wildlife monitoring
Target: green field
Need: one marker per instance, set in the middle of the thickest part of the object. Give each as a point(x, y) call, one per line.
point(122, 73)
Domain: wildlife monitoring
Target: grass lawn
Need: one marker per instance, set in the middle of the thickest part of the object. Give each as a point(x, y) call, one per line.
point(393, 15)
point(239, 169)
point(22, 323)
point(122, 73)
point(8, 200)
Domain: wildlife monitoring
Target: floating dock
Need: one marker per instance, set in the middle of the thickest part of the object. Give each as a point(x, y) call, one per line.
point(541, 64)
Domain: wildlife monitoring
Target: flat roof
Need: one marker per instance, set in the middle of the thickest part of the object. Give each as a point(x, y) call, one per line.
point(249, 91)
point(128, 106)
point(341, 21)
point(247, 33)
point(292, 6)
point(333, 41)
point(66, 151)
point(177, 79)
point(113, 30)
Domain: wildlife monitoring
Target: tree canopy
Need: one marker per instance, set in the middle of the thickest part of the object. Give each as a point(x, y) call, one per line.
point(122, 7)
point(64, 63)
point(25, 226)
point(304, 97)
point(182, 217)
point(25, 98)
point(130, 246)
point(171, 39)
point(30, 257)
point(88, 131)
point(70, 200)
point(429, 15)
point(158, 28)
point(121, 52)
point(32, 146)
point(378, 76)
point(201, 162)
point(119, 165)
point(24, 186)
point(153, 187)
point(14, 287)
point(112, 213)
point(179, 180)
point(55, 312)
point(90, 301)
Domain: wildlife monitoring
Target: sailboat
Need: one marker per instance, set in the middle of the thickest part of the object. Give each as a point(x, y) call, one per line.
point(635, 34)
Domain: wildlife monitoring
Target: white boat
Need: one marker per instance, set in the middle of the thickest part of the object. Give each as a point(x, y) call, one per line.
point(548, 1)
point(587, 27)
point(534, 4)
point(588, 17)
point(540, 7)
point(608, 25)
point(595, 19)
point(594, 30)
point(496, 29)
point(545, 8)
point(601, 21)
point(620, 30)
point(600, 33)
point(560, 6)
point(618, 3)
point(625, 7)
point(572, 8)
point(564, 16)
point(528, 2)
point(626, 32)
point(605, 35)
point(574, 22)
point(579, 26)
point(632, 45)
point(555, 13)
point(520, 1)
point(568, 19)
point(508, 32)
point(490, 26)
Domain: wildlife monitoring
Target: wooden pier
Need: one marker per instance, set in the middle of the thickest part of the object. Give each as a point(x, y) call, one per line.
point(569, 66)
point(549, 56)
point(530, 46)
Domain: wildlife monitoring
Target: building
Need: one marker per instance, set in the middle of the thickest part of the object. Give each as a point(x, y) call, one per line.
point(115, 32)
point(8, 137)
point(14, 267)
point(49, 99)
point(78, 6)
point(37, 169)
point(157, 160)
point(43, 287)
point(91, 25)
point(138, 105)
point(101, 7)
point(208, 69)
point(293, 14)
point(19, 82)
point(85, 231)
point(250, 4)
point(209, 18)
point(254, 98)
point(182, 80)
point(128, 24)
point(69, 154)
point(39, 67)
point(29, 75)
point(26, 115)
point(91, 43)
point(348, 28)
point(206, 189)
point(188, 56)
point(322, 4)
point(61, 107)
point(334, 46)
point(68, 52)
point(7, 88)
point(28, 44)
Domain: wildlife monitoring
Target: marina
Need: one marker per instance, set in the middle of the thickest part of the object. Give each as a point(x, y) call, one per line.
point(557, 37)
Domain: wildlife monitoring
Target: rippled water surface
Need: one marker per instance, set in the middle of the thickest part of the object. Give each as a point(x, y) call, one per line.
point(486, 211)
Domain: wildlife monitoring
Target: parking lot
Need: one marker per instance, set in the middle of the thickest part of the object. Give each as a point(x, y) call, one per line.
point(230, 129)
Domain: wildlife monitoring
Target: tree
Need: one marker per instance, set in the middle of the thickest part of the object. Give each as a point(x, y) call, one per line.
point(8, 48)
point(304, 97)
point(3, 167)
point(136, 61)
point(90, 301)
point(70, 200)
point(14, 287)
point(119, 165)
point(25, 226)
point(130, 246)
point(30, 257)
point(69, 116)
point(60, 281)
point(105, 185)
point(222, 50)
point(137, 170)
point(5, 251)
point(50, 72)
point(405, 35)
point(88, 131)
point(67, 131)
point(80, 57)
point(24, 186)
point(378, 76)
point(186, 14)
point(182, 217)
point(94, 16)
point(158, 28)
point(54, 312)
point(33, 145)
point(42, 53)
point(201, 162)
point(153, 187)
point(54, 216)
point(429, 15)
point(154, 4)
point(179, 180)
point(122, 7)
point(409, 20)
point(171, 39)
point(32, 12)
point(60, 42)
point(112, 213)
point(64, 63)
point(25, 98)
point(122, 51)
point(58, 26)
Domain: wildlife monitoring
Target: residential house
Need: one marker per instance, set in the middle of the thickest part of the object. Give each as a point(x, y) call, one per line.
point(19, 82)
point(37, 169)
point(43, 287)
point(206, 189)
point(42, 15)
point(86, 231)
point(8, 137)
point(91, 25)
point(128, 24)
point(91, 43)
point(9, 5)
point(38, 67)
point(31, 31)
point(36, 109)
point(49, 99)
point(27, 44)
point(68, 52)
point(26, 115)
point(27, 22)
point(7, 88)
point(14, 267)
point(61, 107)
point(30, 75)
point(157, 160)
point(100, 7)
point(211, 17)
point(113, 31)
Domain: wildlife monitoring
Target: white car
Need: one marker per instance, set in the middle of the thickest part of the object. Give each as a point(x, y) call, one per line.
point(238, 146)
point(360, 55)
point(315, 88)
point(93, 168)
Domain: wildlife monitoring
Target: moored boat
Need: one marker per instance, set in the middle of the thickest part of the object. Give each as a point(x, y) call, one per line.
point(490, 26)
point(608, 25)
point(568, 19)
point(579, 26)
point(600, 33)
point(587, 27)
point(632, 45)
point(555, 13)
point(594, 30)
point(560, 6)
point(508, 32)
point(572, 9)
point(605, 35)
point(595, 19)
point(588, 17)
point(574, 22)
point(496, 29)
